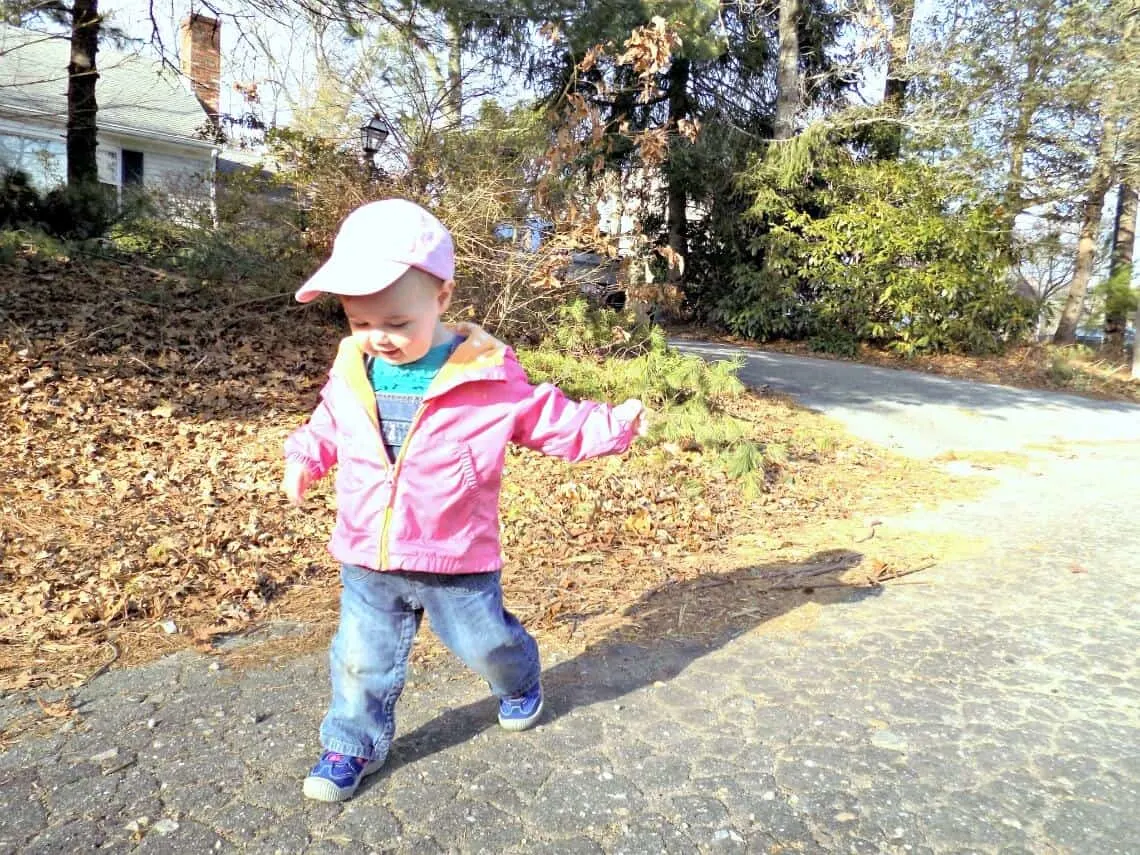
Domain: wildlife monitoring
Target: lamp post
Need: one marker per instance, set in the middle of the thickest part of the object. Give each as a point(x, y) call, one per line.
point(373, 133)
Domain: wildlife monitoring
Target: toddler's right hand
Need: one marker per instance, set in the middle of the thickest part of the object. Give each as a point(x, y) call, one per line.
point(634, 412)
point(296, 481)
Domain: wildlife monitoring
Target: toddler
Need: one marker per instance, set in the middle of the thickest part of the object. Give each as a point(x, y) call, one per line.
point(417, 416)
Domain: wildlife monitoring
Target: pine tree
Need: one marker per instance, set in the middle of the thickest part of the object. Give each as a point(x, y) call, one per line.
point(82, 107)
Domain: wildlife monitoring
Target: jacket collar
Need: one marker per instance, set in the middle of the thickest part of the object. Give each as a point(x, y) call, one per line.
point(480, 356)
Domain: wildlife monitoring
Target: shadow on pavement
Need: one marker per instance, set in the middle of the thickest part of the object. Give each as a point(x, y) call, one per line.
point(668, 629)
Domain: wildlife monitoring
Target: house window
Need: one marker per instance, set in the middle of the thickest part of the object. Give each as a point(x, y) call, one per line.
point(43, 161)
point(132, 174)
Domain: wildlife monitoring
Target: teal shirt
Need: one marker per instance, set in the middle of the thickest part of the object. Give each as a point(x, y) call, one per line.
point(400, 389)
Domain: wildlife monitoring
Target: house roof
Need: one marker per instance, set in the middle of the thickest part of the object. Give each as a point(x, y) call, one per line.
point(135, 95)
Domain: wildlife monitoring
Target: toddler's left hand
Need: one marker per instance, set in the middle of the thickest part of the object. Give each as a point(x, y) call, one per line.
point(634, 412)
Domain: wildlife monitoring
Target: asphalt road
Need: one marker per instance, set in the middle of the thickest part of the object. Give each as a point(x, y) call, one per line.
point(923, 414)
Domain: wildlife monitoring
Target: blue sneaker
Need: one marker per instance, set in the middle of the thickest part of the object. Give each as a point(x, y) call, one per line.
point(336, 776)
point(521, 712)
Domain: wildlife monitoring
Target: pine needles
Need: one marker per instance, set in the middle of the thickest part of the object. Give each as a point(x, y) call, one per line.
point(601, 354)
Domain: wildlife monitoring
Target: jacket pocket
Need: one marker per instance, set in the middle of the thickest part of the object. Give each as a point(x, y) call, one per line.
point(438, 494)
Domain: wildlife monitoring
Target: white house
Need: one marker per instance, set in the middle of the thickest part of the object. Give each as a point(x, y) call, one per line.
point(154, 126)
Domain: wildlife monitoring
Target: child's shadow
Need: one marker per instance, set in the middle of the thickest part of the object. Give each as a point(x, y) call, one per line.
point(666, 630)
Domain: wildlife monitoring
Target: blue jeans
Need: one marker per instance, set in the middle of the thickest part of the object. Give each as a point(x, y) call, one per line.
point(379, 616)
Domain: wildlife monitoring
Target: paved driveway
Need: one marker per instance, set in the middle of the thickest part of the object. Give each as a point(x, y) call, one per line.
point(993, 707)
point(923, 414)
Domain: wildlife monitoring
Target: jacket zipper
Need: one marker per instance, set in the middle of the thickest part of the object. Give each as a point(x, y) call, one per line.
point(385, 525)
point(384, 556)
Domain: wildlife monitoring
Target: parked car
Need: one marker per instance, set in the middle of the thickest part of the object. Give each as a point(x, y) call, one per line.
point(1094, 336)
point(597, 277)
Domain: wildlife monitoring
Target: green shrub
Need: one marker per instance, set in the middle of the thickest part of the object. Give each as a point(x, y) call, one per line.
point(19, 201)
point(1116, 294)
point(600, 354)
point(573, 357)
point(9, 247)
point(836, 341)
point(78, 213)
point(887, 252)
point(584, 329)
point(1060, 370)
point(71, 213)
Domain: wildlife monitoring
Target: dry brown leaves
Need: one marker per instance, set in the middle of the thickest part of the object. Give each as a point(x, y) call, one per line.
point(139, 476)
point(144, 419)
point(648, 50)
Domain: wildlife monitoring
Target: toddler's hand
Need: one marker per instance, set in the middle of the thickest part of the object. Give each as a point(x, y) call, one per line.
point(634, 412)
point(296, 481)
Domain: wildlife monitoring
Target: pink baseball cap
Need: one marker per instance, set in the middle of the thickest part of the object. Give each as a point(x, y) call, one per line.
point(375, 246)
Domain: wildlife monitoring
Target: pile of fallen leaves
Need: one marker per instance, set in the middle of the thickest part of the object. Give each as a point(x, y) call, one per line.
point(143, 420)
point(139, 502)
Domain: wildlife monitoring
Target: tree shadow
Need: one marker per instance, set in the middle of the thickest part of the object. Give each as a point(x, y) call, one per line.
point(664, 632)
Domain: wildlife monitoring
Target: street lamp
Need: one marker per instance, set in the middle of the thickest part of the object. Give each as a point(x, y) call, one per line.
point(372, 136)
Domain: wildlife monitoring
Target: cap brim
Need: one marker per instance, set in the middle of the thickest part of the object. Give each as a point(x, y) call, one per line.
point(349, 280)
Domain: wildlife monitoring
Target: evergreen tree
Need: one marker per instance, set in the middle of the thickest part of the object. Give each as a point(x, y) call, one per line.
point(719, 78)
point(1120, 299)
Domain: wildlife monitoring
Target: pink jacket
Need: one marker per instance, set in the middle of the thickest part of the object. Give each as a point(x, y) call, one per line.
point(436, 509)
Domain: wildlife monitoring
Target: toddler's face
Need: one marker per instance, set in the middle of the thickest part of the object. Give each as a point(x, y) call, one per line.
point(401, 323)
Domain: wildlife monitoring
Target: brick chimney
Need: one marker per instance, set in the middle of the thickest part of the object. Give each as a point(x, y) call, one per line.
point(200, 50)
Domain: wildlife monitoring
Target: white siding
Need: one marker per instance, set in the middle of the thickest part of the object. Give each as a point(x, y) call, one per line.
point(183, 184)
point(164, 171)
point(164, 165)
point(41, 152)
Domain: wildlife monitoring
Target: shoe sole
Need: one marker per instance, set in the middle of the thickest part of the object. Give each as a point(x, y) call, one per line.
point(517, 724)
point(324, 790)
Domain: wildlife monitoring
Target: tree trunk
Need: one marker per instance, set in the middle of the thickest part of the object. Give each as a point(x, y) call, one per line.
point(82, 134)
point(894, 88)
point(454, 102)
point(1099, 184)
point(1018, 142)
point(788, 71)
point(678, 199)
point(1123, 248)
